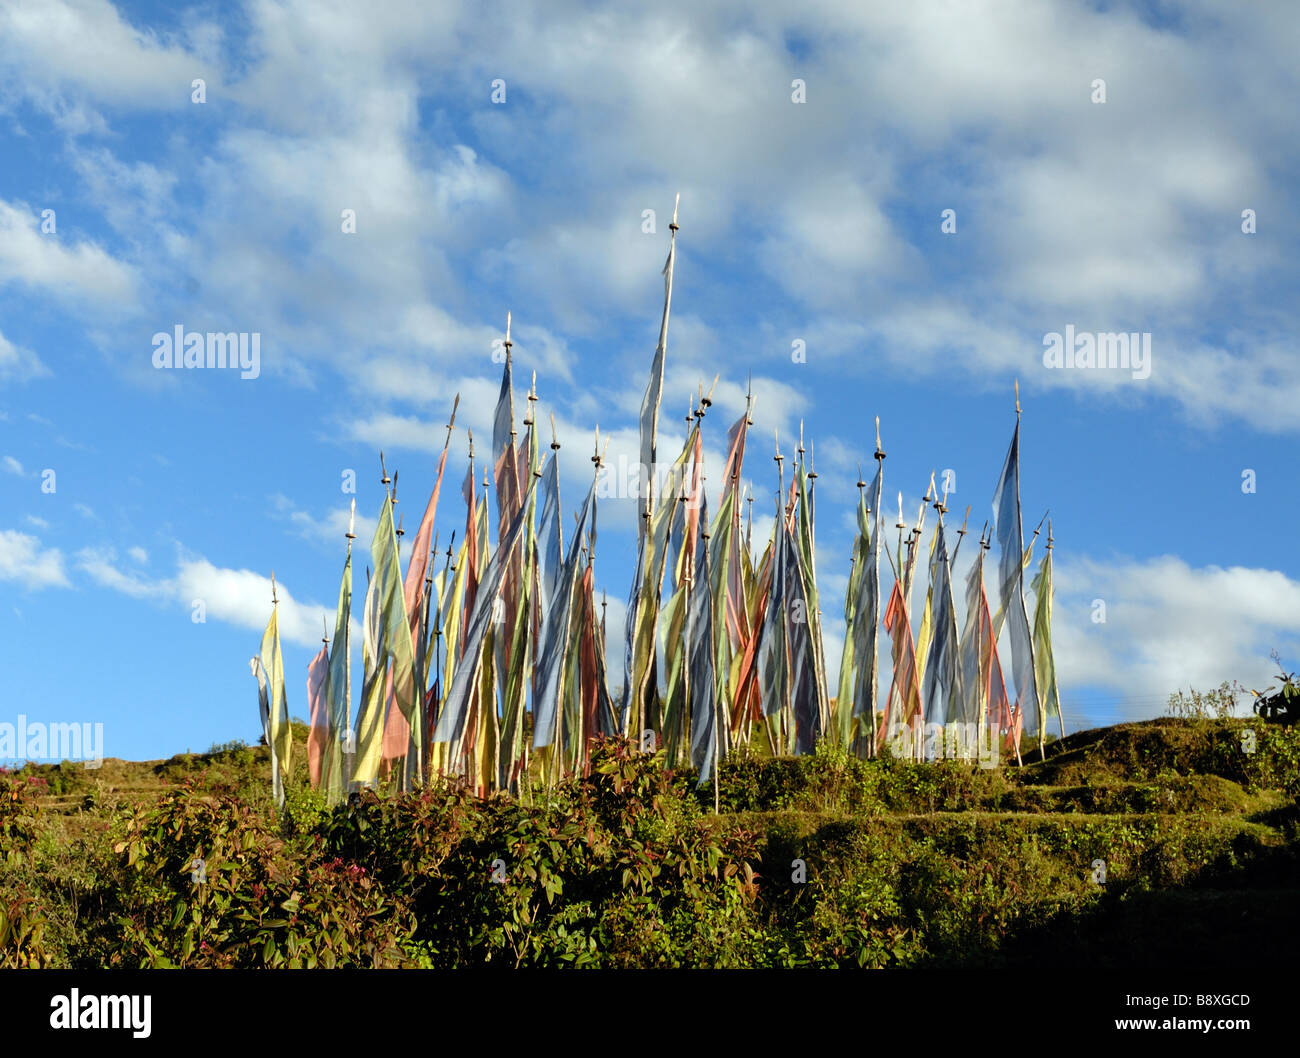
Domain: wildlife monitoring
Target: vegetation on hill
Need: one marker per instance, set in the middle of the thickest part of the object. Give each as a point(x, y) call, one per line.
point(1170, 841)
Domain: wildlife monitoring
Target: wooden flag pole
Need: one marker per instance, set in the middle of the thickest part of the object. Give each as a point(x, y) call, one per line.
point(961, 533)
point(875, 617)
point(1060, 712)
point(277, 784)
point(778, 720)
point(514, 462)
point(349, 746)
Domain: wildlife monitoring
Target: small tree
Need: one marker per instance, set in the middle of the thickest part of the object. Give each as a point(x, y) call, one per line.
point(1289, 690)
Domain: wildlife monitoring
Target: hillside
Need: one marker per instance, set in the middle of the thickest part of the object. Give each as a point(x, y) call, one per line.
point(820, 860)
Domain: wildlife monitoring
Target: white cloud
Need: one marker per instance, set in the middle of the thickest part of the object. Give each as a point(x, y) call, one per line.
point(23, 559)
point(69, 56)
point(13, 466)
point(1169, 626)
point(242, 597)
point(237, 596)
point(329, 531)
point(68, 269)
point(98, 564)
point(701, 103)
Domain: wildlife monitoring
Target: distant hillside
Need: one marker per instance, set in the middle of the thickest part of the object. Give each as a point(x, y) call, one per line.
point(1157, 843)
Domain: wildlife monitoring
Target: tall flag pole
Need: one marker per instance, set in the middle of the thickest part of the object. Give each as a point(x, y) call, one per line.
point(844, 704)
point(1011, 584)
point(862, 631)
point(638, 635)
point(915, 712)
point(1044, 658)
point(903, 707)
point(926, 630)
point(666, 528)
point(674, 588)
point(807, 639)
point(387, 642)
point(598, 715)
point(654, 390)
point(871, 689)
point(976, 655)
point(893, 713)
point(398, 744)
point(941, 686)
point(268, 668)
point(689, 517)
point(456, 763)
point(399, 735)
point(508, 640)
point(441, 607)
point(773, 642)
point(338, 758)
point(318, 719)
point(748, 706)
point(520, 654)
point(702, 683)
point(424, 616)
point(730, 618)
point(482, 746)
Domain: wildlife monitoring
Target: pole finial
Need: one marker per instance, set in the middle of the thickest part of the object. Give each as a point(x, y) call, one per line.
point(530, 420)
point(706, 401)
point(1017, 398)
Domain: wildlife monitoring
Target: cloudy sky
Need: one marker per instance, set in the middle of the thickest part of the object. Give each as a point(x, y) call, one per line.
point(129, 493)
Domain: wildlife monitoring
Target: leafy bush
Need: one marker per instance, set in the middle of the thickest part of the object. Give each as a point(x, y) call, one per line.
point(208, 883)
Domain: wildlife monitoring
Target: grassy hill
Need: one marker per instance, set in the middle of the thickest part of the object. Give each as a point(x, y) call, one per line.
point(1169, 842)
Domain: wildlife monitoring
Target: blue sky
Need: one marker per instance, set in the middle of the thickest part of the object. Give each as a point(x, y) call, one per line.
point(817, 221)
